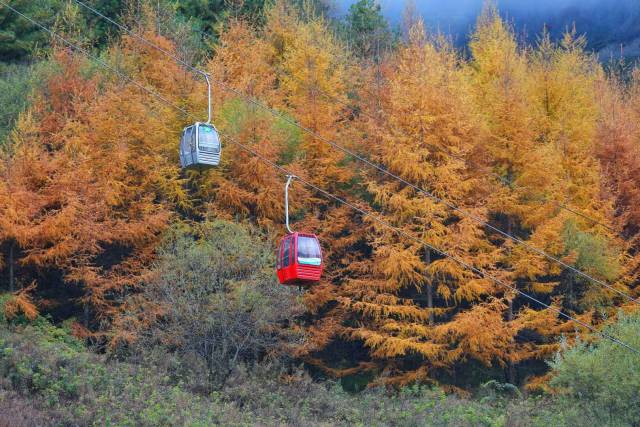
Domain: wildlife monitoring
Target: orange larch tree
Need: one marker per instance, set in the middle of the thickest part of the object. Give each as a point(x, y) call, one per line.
point(617, 148)
point(399, 296)
point(540, 112)
point(103, 181)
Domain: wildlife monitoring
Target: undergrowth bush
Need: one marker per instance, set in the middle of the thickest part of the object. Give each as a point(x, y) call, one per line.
point(45, 366)
point(57, 374)
point(48, 377)
point(601, 382)
point(217, 306)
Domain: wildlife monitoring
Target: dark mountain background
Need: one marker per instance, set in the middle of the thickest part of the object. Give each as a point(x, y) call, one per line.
point(611, 26)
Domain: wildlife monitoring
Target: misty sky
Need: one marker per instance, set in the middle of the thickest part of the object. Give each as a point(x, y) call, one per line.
point(447, 10)
point(607, 21)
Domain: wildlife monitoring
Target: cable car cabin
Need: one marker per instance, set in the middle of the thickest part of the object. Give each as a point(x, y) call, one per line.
point(200, 146)
point(299, 260)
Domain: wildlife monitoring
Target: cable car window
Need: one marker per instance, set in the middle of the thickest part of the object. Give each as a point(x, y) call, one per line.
point(309, 251)
point(184, 141)
point(208, 139)
point(189, 138)
point(286, 253)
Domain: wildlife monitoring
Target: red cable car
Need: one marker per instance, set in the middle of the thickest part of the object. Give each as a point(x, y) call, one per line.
point(299, 259)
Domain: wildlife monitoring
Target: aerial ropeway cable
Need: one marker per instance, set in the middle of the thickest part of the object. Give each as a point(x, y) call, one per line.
point(372, 164)
point(335, 198)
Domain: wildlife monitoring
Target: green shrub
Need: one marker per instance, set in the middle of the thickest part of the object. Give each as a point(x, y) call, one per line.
point(53, 370)
point(303, 401)
point(600, 384)
point(50, 369)
point(16, 84)
point(220, 305)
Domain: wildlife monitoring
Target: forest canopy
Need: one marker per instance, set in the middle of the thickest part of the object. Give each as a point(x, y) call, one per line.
point(497, 212)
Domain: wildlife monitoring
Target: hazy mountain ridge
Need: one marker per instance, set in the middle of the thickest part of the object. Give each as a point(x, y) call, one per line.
point(607, 24)
point(604, 23)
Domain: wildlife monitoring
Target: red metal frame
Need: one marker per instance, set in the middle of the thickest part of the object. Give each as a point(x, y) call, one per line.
point(295, 273)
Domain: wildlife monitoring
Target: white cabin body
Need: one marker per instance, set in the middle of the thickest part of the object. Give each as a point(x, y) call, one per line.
point(200, 146)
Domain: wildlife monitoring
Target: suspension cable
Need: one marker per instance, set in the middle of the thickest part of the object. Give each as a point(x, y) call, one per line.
point(370, 163)
point(331, 196)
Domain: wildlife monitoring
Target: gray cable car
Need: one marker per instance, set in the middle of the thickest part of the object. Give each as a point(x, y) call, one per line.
point(200, 145)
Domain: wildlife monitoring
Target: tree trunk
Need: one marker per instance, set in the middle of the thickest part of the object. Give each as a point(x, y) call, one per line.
point(570, 293)
point(139, 15)
point(12, 278)
point(85, 317)
point(511, 370)
point(427, 260)
point(158, 18)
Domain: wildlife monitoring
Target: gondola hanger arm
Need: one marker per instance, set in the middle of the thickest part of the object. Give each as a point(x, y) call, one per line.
point(286, 201)
point(206, 77)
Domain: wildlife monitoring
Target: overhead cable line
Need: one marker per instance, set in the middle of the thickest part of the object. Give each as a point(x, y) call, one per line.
point(331, 196)
point(368, 162)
